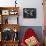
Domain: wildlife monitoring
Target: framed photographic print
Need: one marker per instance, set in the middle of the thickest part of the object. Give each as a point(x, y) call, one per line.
point(13, 12)
point(29, 12)
point(5, 12)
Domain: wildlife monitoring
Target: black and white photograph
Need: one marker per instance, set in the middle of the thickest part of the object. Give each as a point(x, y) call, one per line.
point(29, 12)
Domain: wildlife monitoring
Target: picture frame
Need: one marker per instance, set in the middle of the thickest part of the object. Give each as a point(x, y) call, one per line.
point(29, 12)
point(5, 12)
point(13, 12)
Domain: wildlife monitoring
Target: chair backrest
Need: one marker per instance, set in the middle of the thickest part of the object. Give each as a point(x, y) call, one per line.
point(29, 32)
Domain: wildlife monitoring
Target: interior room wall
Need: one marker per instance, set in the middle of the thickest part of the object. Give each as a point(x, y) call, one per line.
point(38, 21)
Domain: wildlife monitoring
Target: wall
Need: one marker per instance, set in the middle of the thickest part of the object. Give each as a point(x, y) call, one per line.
point(32, 4)
point(27, 4)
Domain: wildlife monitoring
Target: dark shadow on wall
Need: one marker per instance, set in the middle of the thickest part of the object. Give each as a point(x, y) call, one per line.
point(37, 29)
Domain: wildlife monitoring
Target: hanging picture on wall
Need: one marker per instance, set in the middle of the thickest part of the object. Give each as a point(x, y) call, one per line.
point(29, 12)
